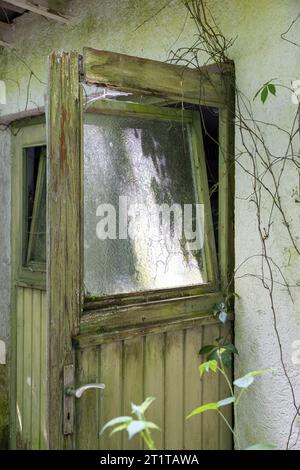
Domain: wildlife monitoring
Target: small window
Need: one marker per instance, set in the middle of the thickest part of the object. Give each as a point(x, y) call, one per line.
point(35, 207)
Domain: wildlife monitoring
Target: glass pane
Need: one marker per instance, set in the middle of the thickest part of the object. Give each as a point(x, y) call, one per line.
point(36, 204)
point(32, 156)
point(134, 166)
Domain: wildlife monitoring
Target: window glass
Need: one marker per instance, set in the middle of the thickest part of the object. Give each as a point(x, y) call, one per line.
point(142, 168)
point(35, 205)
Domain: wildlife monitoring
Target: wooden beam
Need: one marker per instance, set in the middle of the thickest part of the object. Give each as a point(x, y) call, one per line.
point(64, 176)
point(39, 10)
point(149, 77)
point(29, 114)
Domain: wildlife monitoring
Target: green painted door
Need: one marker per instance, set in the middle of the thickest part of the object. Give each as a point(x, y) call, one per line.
point(130, 306)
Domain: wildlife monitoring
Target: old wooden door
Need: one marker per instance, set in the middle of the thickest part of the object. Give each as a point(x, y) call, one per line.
point(122, 125)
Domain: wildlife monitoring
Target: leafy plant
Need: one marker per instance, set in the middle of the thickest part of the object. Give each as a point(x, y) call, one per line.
point(221, 344)
point(137, 425)
point(264, 91)
point(212, 351)
point(241, 385)
point(221, 309)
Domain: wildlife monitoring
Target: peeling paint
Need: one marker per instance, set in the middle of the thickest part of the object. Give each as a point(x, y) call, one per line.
point(259, 54)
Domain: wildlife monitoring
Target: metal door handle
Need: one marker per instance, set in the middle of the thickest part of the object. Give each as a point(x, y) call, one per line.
point(79, 391)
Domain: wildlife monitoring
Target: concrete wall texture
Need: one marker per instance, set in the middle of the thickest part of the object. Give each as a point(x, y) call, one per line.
point(260, 54)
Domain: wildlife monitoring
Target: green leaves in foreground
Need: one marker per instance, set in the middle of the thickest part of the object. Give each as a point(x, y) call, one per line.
point(248, 379)
point(211, 406)
point(207, 366)
point(221, 349)
point(134, 426)
point(265, 90)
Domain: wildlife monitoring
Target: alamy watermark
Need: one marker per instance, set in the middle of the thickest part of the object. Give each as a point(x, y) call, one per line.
point(156, 222)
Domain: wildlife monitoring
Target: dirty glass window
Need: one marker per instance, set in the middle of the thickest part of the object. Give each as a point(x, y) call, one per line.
point(138, 180)
point(35, 205)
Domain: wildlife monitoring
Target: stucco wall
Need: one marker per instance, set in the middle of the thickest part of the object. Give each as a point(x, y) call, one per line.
point(259, 54)
point(4, 279)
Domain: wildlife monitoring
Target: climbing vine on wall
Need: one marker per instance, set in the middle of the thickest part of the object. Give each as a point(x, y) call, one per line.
point(266, 170)
point(253, 156)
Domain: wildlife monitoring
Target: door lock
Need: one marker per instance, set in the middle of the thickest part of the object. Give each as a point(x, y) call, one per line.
point(70, 393)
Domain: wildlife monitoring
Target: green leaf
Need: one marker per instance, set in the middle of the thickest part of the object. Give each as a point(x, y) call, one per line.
point(207, 366)
point(221, 351)
point(226, 359)
point(207, 349)
point(272, 89)
point(135, 427)
point(118, 420)
point(254, 373)
point(122, 427)
point(223, 316)
point(248, 379)
point(265, 446)
point(244, 382)
point(231, 347)
point(201, 409)
point(213, 356)
point(150, 425)
point(264, 94)
point(140, 409)
point(226, 401)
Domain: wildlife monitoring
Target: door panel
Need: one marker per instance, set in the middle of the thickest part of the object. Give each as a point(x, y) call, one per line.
point(164, 366)
point(31, 370)
point(137, 343)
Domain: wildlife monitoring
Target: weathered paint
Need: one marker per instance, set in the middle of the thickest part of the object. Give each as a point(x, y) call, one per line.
point(164, 366)
point(31, 362)
point(5, 170)
point(259, 54)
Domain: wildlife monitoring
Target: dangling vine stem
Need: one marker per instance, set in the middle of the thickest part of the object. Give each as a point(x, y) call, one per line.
point(255, 159)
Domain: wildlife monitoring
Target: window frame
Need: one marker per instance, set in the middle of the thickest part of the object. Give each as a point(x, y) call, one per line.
point(144, 111)
point(27, 133)
point(211, 86)
point(29, 246)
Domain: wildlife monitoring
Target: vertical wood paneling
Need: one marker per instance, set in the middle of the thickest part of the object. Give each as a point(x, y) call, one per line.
point(111, 403)
point(224, 392)
point(154, 383)
point(133, 360)
point(88, 405)
point(36, 369)
point(174, 415)
point(162, 365)
point(210, 393)
point(20, 364)
point(31, 368)
point(27, 369)
point(43, 374)
point(192, 389)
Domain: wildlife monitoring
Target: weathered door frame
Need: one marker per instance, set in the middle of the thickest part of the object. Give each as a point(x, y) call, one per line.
point(211, 86)
point(26, 422)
